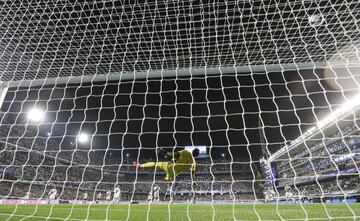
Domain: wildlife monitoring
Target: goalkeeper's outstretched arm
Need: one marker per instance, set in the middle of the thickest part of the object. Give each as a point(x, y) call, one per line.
point(180, 162)
point(151, 164)
point(142, 165)
point(161, 153)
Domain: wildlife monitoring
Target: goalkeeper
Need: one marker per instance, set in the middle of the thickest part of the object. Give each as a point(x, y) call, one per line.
point(181, 161)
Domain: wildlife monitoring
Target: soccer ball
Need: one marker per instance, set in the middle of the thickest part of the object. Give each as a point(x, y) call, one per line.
point(315, 20)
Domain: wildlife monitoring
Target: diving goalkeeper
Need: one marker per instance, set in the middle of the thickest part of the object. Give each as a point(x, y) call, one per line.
point(181, 161)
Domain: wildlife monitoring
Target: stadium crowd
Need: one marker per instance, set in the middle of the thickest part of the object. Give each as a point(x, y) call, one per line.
point(40, 164)
point(321, 168)
point(338, 153)
point(330, 187)
point(31, 163)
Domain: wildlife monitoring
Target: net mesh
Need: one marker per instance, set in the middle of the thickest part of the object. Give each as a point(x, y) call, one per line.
point(103, 103)
point(59, 38)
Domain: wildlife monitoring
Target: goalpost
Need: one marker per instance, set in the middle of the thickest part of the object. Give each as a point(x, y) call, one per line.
point(268, 90)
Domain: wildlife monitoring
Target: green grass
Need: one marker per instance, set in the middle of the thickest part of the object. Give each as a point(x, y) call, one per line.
point(181, 212)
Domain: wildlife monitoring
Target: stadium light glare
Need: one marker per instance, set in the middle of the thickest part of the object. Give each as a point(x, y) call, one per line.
point(350, 105)
point(346, 107)
point(83, 138)
point(36, 115)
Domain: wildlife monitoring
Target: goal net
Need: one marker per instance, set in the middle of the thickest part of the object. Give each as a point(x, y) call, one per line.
point(221, 110)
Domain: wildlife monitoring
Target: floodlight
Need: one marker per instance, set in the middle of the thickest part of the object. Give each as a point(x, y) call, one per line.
point(35, 115)
point(83, 138)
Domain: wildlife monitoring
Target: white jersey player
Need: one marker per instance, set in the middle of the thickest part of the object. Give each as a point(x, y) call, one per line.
point(288, 193)
point(27, 196)
point(168, 192)
point(269, 195)
point(108, 195)
point(52, 194)
point(156, 194)
point(117, 193)
point(98, 197)
point(85, 196)
point(150, 196)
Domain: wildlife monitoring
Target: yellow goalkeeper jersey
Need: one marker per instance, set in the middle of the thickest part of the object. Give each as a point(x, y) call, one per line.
point(184, 162)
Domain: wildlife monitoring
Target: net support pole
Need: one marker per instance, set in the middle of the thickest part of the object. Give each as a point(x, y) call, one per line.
point(3, 90)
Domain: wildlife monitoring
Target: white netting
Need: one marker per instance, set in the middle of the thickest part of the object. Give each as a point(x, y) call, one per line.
point(91, 91)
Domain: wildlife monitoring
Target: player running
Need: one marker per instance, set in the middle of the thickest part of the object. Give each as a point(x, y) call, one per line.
point(108, 196)
point(98, 197)
point(288, 193)
point(181, 161)
point(168, 192)
point(156, 194)
point(52, 195)
point(27, 196)
point(150, 196)
point(117, 194)
point(85, 197)
point(269, 195)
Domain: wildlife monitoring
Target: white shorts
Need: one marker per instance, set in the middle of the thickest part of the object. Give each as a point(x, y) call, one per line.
point(52, 197)
point(116, 197)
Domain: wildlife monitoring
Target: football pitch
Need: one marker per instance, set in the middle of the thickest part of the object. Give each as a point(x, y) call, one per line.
point(181, 212)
